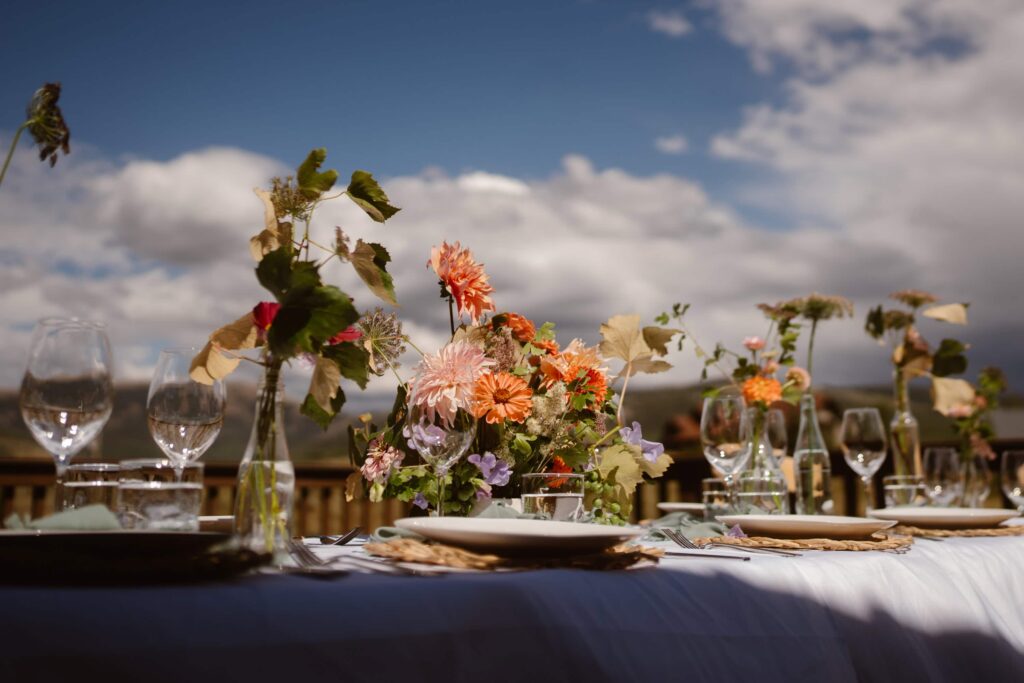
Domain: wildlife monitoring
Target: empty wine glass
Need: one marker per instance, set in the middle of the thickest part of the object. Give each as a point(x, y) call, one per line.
point(67, 394)
point(943, 476)
point(721, 435)
point(775, 426)
point(439, 442)
point(862, 439)
point(977, 480)
point(184, 416)
point(1013, 477)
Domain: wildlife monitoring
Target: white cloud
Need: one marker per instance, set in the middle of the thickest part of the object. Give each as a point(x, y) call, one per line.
point(671, 144)
point(671, 23)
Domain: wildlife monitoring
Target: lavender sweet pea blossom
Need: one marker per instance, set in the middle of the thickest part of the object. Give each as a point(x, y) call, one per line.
point(633, 436)
point(495, 472)
point(422, 436)
point(420, 501)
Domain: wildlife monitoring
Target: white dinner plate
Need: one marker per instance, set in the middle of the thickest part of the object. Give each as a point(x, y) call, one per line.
point(946, 518)
point(806, 526)
point(519, 536)
point(681, 507)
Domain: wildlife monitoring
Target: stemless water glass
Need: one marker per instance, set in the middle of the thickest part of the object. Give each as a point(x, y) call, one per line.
point(862, 439)
point(93, 483)
point(67, 393)
point(553, 495)
point(720, 435)
point(439, 442)
point(1013, 477)
point(904, 490)
point(184, 416)
point(943, 476)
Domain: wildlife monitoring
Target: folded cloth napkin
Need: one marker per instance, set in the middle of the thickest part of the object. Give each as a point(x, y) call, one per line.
point(686, 524)
point(88, 518)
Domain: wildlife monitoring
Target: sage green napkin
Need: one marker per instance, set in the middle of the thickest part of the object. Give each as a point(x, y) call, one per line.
point(88, 518)
point(686, 524)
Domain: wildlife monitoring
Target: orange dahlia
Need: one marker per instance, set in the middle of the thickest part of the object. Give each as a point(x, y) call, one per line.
point(521, 327)
point(463, 278)
point(548, 345)
point(502, 396)
point(558, 466)
point(766, 390)
point(578, 367)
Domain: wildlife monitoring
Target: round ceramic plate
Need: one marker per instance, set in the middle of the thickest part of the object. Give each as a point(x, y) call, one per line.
point(806, 526)
point(519, 536)
point(681, 507)
point(945, 518)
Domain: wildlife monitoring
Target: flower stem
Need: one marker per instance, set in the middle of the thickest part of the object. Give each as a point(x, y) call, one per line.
point(810, 349)
point(10, 152)
point(451, 313)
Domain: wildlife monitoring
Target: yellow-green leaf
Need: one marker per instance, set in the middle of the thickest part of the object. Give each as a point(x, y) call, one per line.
point(657, 338)
point(621, 461)
point(370, 261)
point(364, 190)
point(323, 387)
point(950, 313)
point(657, 468)
point(949, 393)
point(311, 182)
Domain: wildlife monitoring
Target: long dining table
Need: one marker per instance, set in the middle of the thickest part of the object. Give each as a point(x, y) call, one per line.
point(950, 610)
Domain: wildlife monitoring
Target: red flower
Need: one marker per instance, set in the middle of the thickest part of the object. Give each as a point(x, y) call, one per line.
point(558, 466)
point(349, 334)
point(263, 314)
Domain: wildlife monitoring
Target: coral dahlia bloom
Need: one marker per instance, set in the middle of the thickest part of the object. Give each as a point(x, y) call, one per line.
point(502, 396)
point(464, 279)
point(444, 381)
point(522, 328)
point(765, 390)
point(576, 362)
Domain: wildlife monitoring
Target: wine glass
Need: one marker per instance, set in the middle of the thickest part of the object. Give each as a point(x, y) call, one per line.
point(943, 476)
point(977, 480)
point(439, 441)
point(862, 440)
point(184, 416)
point(67, 394)
point(1013, 477)
point(778, 438)
point(721, 435)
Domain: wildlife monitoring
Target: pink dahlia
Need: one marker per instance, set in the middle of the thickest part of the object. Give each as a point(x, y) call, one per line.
point(444, 381)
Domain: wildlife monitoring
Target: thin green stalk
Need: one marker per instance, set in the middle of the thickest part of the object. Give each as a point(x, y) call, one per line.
point(451, 313)
point(810, 349)
point(10, 152)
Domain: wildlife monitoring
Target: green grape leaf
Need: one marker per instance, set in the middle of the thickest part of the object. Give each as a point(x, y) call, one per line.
point(311, 182)
point(311, 409)
point(352, 361)
point(370, 261)
point(370, 197)
point(949, 358)
point(619, 461)
point(308, 318)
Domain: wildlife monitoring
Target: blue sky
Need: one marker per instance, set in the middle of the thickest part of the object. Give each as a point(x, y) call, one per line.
point(397, 86)
point(852, 147)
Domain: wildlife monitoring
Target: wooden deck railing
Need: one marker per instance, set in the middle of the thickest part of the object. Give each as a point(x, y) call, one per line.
point(26, 487)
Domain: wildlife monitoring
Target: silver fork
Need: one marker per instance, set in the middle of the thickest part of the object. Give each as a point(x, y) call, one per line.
point(307, 559)
point(343, 539)
point(681, 540)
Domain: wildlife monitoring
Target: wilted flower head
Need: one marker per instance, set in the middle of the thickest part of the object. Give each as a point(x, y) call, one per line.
point(288, 199)
point(463, 278)
point(46, 123)
point(784, 310)
point(382, 339)
point(915, 298)
point(800, 378)
point(754, 343)
point(503, 349)
point(444, 381)
point(823, 307)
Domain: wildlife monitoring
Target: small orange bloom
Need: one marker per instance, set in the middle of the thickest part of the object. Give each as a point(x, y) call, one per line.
point(558, 466)
point(549, 345)
point(502, 396)
point(464, 279)
point(766, 390)
point(577, 366)
point(522, 328)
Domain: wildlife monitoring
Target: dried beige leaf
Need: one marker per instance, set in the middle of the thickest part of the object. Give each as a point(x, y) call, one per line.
point(354, 486)
point(949, 393)
point(621, 338)
point(657, 338)
point(210, 365)
point(475, 335)
point(240, 334)
point(323, 387)
point(950, 313)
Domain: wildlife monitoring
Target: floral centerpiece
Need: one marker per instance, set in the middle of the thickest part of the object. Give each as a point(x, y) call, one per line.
point(912, 357)
point(308, 320)
point(540, 406)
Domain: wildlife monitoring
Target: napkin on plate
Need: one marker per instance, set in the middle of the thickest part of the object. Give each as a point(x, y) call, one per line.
point(88, 518)
point(685, 524)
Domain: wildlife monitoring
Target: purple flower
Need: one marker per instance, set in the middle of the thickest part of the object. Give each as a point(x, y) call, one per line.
point(735, 532)
point(420, 501)
point(484, 492)
point(422, 436)
point(633, 436)
point(495, 472)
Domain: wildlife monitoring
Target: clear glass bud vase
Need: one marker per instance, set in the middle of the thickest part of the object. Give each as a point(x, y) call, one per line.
point(266, 476)
point(762, 486)
point(977, 478)
point(903, 430)
point(811, 463)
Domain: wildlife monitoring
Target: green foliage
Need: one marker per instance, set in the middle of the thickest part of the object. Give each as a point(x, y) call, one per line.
point(311, 182)
point(949, 358)
point(308, 318)
point(353, 360)
point(311, 409)
point(370, 261)
point(370, 197)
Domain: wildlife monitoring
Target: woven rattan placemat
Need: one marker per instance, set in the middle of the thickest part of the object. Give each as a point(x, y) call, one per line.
point(878, 541)
point(958, 533)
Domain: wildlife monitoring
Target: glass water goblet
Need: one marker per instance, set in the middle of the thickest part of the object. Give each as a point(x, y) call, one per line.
point(184, 416)
point(977, 481)
point(943, 476)
point(721, 435)
point(67, 393)
point(775, 426)
point(1013, 477)
point(862, 440)
point(440, 441)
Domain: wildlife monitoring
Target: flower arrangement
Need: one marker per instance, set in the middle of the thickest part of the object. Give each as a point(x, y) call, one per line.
point(45, 123)
point(540, 407)
point(971, 418)
point(308, 319)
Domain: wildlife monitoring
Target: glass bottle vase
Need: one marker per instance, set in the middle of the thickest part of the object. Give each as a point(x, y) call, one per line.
point(811, 463)
point(763, 473)
point(266, 475)
point(977, 478)
point(903, 431)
